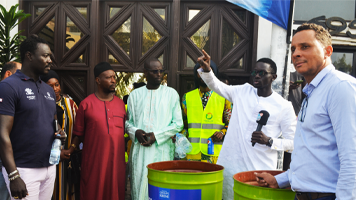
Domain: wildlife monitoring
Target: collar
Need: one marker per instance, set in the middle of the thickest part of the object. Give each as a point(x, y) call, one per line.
point(24, 77)
point(208, 92)
point(159, 87)
point(317, 79)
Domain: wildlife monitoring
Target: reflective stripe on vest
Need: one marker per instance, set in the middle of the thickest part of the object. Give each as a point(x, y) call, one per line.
point(202, 124)
point(197, 140)
point(206, 126)
point(194, 125)
point(194, 140)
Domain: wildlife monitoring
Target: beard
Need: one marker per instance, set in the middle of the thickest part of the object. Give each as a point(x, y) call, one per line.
point(109, 90)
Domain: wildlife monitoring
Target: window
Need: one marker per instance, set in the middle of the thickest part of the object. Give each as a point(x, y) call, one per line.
point(305, 9)
point(344, 60)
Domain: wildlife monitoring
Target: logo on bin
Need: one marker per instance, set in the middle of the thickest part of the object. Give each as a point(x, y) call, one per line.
point(157, 193)
point(163, 193)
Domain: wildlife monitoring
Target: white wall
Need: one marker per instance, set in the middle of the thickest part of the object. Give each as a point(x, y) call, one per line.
point(264, 38)
point(272, 44)
point(8, 3)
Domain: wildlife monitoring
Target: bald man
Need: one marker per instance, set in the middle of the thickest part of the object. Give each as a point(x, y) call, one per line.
point(9, 69)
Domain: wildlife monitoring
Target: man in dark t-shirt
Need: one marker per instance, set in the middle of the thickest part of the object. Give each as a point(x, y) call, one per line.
point(27, 129)
point(7, 70)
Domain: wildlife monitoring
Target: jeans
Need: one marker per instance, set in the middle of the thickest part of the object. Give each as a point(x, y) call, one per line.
point(4, 194)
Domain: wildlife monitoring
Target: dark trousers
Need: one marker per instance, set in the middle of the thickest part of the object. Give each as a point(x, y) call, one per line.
point(332, 197)
point(286, 160)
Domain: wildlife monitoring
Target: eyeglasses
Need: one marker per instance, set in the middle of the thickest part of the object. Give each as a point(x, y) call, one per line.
point(261, 73)
point(155, 71)
point(304, 109)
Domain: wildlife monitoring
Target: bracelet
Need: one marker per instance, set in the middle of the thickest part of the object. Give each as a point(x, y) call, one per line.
point(13, 173)
point(15, 177)
point(73, 145)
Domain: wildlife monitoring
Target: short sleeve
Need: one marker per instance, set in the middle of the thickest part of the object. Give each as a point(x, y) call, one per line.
point(8, 99)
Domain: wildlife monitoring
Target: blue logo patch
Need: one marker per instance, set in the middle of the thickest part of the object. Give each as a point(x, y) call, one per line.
point(157, 193)
point(163, 193)
point(259, 116)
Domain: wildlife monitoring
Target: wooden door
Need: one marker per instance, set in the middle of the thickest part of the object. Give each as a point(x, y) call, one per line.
point(126, 33)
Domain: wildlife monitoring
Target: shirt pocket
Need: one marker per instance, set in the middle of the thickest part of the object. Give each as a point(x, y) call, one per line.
point(119, 121)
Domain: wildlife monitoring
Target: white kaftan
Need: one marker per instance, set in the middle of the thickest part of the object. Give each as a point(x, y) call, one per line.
point(156, 111)
point(237, 153)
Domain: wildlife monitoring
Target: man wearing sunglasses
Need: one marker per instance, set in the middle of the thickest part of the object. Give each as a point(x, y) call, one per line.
point(237, 153)
point(154, 116)
point(324, 158)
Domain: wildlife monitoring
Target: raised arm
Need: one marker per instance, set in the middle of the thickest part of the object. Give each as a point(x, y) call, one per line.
point(212, 81)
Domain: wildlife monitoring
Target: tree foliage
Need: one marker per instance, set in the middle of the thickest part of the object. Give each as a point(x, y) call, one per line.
point(9, 48)
point(125, 80)
point(341, 65)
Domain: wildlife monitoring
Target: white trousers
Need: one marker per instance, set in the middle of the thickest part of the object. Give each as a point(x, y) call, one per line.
point(39, 182)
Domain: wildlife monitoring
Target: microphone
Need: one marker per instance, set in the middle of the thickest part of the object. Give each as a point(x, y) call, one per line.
point(261, 121)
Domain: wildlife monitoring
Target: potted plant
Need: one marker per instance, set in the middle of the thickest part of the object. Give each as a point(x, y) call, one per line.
point(9, 48)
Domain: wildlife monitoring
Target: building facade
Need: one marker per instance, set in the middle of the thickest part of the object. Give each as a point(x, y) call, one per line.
point(82, 33)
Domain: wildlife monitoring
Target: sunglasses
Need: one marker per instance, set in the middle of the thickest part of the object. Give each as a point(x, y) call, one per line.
point(303, 111)
point(260, 73)
point(156, 71)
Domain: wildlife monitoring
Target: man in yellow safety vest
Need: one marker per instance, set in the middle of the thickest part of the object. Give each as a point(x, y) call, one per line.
point(206, 115)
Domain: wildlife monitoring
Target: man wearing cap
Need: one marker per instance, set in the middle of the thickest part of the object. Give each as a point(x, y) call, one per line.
point(154, 116)
point(99, 124)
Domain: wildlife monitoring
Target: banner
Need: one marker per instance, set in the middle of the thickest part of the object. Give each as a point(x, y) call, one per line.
point(276, 11)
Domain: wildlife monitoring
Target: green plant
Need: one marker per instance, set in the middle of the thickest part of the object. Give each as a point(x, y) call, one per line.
point(9, 46)
point(342, 65)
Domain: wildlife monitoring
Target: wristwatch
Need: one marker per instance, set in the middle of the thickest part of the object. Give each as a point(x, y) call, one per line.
point(270, 142)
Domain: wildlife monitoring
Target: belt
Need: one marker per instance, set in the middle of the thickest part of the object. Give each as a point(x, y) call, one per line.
point(311, 195)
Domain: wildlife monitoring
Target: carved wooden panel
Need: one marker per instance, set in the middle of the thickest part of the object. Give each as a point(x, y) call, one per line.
point(135, 32)
point(83, 33)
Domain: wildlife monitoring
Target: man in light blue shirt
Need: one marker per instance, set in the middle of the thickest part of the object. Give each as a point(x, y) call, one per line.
point(324, 158)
